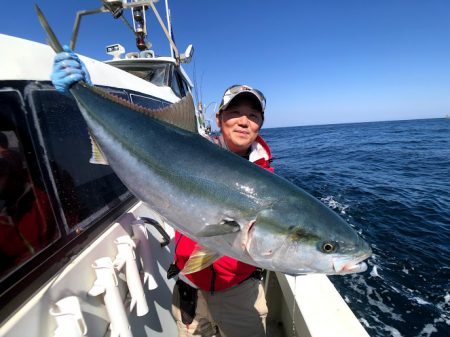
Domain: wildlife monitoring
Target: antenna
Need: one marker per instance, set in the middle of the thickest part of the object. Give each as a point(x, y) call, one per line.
point(201, 86)
point(169, 25)
point(194, 71)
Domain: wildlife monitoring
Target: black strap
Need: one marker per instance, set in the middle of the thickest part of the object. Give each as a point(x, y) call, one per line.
point(188, 301)
point(257, 274)
point(213, 280)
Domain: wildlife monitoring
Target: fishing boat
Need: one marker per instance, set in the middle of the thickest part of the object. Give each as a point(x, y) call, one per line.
point(91, 259)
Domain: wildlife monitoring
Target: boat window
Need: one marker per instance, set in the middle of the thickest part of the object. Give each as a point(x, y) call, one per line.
point(185, 86)
point(146, 102)
point(119, 93)
point(86, 191)
point(27, 222)
point(176, 85)
point(155, 74)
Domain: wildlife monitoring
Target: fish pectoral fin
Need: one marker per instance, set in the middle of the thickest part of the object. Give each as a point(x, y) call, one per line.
point(97, 156)
point(200, 258)
point(224, 227)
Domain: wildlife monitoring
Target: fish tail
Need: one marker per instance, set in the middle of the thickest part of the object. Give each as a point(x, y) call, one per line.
point(52, 39)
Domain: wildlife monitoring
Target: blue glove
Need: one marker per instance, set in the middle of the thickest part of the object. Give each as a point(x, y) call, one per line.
point(67, 70)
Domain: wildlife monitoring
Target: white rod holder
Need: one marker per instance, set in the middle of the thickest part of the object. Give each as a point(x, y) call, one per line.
point(141, 234)
point(126, 256)
point(69, 318)
point(107, 284)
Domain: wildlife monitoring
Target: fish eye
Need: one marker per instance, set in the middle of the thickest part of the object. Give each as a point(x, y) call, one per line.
point(329, 247)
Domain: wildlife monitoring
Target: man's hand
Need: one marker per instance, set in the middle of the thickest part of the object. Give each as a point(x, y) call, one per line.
point(67, 70)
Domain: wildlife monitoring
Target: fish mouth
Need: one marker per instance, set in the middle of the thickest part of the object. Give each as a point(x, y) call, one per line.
point(347, 266)
point(350, 268)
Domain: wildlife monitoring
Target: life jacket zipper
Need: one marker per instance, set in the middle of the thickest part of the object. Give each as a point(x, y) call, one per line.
point(213, 279)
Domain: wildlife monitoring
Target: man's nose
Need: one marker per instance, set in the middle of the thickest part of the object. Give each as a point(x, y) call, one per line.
point(243, 120)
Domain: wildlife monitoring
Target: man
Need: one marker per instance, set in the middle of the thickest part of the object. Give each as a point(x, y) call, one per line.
point(26, 219)
point(225, 299)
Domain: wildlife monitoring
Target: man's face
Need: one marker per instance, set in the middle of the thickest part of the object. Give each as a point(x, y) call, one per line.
point(240, 126)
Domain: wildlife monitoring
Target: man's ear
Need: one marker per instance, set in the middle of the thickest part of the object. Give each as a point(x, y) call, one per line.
point(219, 120)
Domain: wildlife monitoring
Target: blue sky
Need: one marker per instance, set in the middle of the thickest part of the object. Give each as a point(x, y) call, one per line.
point(317, 62)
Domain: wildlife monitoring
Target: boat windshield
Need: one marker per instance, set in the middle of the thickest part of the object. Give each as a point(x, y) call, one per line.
point(155, 74)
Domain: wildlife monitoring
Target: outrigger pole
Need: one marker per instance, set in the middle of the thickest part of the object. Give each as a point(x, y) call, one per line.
point(169, 23)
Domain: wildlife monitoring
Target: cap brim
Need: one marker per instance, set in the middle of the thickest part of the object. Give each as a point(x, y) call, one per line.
point(248, 93)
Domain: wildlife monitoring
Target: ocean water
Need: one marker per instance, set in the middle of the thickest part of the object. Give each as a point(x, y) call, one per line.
point(391, 182)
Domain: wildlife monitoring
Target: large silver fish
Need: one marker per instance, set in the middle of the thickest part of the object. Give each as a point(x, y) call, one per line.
point(225, 203)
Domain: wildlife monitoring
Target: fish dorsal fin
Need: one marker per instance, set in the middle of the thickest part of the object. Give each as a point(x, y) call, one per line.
point(200, 258)
point(180, 114)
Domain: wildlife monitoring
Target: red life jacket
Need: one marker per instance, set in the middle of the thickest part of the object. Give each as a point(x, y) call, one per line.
point(226, 271)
